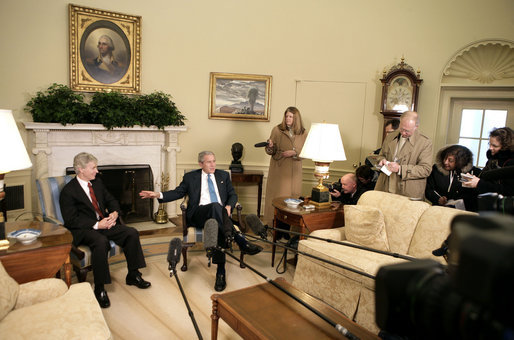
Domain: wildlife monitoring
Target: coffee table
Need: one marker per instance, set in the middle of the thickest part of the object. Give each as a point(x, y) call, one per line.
point(264, 312)
point(306, 220)
point(41, 259)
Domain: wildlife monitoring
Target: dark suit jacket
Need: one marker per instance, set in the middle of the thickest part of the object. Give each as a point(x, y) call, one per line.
point(192, 185)
point(78, 211)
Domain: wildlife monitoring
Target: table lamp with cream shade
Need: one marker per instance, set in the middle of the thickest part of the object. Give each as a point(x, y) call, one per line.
point(323, 145)
point(13, 155)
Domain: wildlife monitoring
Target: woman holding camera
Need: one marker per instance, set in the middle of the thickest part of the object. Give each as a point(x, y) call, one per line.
point(500, 155)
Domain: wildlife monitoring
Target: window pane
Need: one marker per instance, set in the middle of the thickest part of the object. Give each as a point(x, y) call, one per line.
point(484, 146)
point(493, 119)
point(471, 123)
point(471, 144)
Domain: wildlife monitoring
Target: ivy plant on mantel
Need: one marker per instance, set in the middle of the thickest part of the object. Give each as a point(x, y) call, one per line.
point(59, 104)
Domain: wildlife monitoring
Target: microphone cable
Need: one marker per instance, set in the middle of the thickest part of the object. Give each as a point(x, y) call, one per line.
point(259, 229)
point(313, 256)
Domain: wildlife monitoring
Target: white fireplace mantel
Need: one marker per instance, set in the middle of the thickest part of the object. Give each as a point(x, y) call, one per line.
point(54, 146)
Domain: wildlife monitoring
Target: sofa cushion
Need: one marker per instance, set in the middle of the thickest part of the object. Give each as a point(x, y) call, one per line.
point(400, 215)
point(40, 290)
point(364, 225)
point(73, 315)
point(8, 292)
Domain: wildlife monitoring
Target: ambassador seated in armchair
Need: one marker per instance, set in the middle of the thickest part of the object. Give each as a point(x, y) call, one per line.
point(211, 196)
point(91, 213)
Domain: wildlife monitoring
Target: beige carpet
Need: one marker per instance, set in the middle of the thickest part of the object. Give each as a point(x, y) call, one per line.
point(160, 312)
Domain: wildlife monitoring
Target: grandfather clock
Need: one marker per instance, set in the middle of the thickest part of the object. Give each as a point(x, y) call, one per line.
point(400, 91)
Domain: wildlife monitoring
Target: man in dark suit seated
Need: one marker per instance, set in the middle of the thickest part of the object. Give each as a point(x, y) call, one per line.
point(350, 191)
point(91, 213)
point(211, 196)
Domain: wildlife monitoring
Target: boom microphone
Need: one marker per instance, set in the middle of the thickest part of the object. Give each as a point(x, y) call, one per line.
point(259, 229)
point(174, 254)
point(261, 144)
point(256, 225)
point(173, 259)
point(341, 329)
point(210, 232)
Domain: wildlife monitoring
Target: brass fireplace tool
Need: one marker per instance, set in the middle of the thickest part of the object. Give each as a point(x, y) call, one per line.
point(161, 216)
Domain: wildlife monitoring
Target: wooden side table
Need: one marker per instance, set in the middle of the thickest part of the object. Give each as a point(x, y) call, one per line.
point(306, 220)
point(252, 177)
point(41, 259)
point(264, 312)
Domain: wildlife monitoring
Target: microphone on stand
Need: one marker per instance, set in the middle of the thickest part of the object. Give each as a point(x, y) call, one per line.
point(256, 225)
point(261, 144)
point(213, 234)
point(174, 255)
point(211, 238)
point(259, 229)
point(174, 258)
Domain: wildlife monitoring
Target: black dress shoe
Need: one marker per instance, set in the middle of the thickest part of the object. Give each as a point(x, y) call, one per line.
point(250, 249)
point(137, 281)
point(102, 298)
point(220, 284)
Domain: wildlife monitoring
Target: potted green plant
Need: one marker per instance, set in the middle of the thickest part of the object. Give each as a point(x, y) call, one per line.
point(59, 104)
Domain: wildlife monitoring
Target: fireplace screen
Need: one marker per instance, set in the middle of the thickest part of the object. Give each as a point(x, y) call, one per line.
point(125, 182)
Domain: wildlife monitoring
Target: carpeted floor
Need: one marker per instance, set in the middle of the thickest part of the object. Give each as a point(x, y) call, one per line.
point(160, 312)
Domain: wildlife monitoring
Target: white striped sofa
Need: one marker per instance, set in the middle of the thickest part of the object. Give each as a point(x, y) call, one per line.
point(49, 189)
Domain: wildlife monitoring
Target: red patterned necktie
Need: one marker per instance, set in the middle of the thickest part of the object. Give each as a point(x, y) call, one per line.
point(94, 201)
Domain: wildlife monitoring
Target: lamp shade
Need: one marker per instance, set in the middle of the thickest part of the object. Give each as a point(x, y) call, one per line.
point(13, 155)
point(323, 143)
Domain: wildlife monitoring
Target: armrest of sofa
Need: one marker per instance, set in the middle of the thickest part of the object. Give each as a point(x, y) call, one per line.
point(73, 315)
point(38, 291)
point(336, 234)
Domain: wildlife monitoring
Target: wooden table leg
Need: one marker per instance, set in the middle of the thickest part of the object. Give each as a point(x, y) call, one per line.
point(67, 271)
point(214, 317)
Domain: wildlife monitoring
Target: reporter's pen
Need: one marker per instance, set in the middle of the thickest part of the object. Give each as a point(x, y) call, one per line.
point(437, 194)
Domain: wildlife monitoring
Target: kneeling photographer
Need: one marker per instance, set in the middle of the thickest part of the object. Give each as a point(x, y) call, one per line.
point(471, 298)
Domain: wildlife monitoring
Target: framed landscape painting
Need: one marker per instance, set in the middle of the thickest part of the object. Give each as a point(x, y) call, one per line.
point(104, 50)
point(240, 96)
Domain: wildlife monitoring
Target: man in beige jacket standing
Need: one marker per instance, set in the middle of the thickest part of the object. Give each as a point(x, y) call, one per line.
point(405, 159)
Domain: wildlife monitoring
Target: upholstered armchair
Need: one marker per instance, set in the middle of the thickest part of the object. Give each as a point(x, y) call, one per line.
point(49, 189)
point(47, 309)
point(192, 235)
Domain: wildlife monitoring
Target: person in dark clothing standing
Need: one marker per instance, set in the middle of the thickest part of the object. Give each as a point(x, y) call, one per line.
point(499, 155)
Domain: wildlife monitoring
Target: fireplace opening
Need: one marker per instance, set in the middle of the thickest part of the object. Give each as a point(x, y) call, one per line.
point(125, 182)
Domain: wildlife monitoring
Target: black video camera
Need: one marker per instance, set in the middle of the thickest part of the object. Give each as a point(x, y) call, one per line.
point(492, 201)
point(472, 298)
point(334, 186)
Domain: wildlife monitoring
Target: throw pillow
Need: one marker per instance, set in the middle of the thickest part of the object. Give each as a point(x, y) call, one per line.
point(8, 292)
point(364, 225)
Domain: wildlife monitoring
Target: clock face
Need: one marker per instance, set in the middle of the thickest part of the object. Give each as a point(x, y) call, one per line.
point(399, 94)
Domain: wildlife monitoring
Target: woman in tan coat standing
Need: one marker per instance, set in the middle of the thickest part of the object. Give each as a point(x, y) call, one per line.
point(285, 168)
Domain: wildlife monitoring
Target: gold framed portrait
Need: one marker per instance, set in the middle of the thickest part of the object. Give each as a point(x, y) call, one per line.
point(240, 96)
point(104, 50)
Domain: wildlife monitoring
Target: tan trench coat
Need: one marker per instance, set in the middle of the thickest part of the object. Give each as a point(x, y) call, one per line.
point(285, 174)
point(415, 159)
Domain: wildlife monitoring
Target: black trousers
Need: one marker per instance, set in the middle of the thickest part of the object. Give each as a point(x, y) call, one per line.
point(98, 241)
point(219, 213)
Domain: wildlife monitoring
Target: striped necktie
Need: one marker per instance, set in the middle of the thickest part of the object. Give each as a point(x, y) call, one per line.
point(94, 201)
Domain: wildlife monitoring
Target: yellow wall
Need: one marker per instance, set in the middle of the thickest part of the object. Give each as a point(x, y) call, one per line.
point(292, 40)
